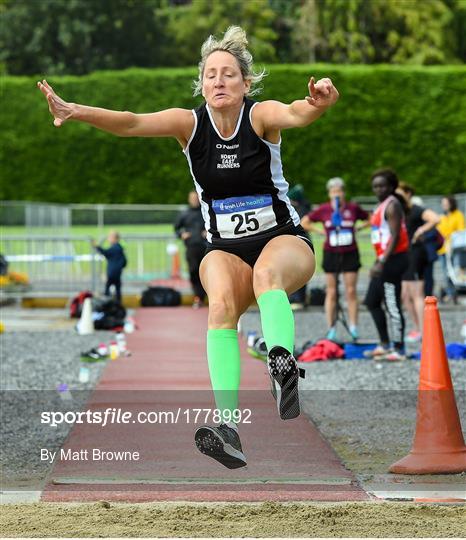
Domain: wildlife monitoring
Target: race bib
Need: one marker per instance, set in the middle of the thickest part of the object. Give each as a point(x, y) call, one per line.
point(344, 237)
point(244, 216)
point(375, 235)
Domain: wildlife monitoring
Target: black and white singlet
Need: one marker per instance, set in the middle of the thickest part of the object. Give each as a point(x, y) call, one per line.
point(239, 179)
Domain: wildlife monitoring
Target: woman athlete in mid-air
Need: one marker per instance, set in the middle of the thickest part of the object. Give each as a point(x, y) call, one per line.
point(256, 246)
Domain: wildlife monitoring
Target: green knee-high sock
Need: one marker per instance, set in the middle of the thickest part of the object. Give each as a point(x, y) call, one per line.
point(224, 367)
point(277, 319)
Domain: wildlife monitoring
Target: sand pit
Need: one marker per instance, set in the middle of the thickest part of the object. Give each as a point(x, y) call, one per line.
point(105, 519)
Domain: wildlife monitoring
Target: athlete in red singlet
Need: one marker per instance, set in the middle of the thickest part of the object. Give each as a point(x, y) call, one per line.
point(391, 244)
point(381, 233)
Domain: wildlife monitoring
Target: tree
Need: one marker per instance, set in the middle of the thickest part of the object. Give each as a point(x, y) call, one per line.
point(373, 31)
point(78, 36)
point(417, 31)
point(190, 24)
point(458, 8)
point(307, 35)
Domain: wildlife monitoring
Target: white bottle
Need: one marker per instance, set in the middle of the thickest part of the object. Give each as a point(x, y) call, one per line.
point(121, 343)
point(251, 338)
point(129, 325)
point(463, 331)
point(84, 374)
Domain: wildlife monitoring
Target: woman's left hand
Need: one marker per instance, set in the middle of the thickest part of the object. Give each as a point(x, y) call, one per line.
point(376, 269)
point(416, 236)
point(322, 93)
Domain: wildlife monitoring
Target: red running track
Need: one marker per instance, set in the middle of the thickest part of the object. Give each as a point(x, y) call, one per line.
point(167, 372)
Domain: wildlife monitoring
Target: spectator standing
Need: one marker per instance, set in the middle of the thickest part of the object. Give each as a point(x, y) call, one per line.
point(189, 226)
point(341, 254)
point(451, 221)
point(432, 243)
point(116, 261)
point(419, 221)
point(3, 265)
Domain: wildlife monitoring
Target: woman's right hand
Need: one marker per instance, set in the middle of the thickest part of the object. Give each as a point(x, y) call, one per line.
point(60, 109)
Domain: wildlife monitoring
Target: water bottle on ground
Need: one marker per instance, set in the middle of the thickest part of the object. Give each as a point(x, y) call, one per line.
point(113, 350)
point(463, 331)
point(84, 374)
point(251, 338)
point(121, 343)
point(129, 325)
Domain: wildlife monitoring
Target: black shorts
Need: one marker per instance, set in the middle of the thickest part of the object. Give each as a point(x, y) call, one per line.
point(249, 249)
point(347, 261)
point(418, 261)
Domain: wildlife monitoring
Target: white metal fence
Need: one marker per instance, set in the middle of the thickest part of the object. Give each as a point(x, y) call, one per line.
point(63, 262)
point(58, 265)
point(42, 214)
point(36, 214)
point(68, 264)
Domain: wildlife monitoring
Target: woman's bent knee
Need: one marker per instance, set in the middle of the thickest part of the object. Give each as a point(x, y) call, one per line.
point(223, 313)
point(265, 278)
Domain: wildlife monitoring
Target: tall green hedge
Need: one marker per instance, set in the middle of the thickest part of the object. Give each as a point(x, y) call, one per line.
point(410, 118)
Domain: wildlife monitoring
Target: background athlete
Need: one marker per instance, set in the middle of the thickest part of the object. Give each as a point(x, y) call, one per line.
point(419, 221)
point(256, 246)
point(340, 253)
point(390, 240)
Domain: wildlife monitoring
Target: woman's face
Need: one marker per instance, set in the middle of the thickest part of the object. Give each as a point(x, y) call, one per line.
point(445, 205)
point(223, 85)
point(335, 192)
point(381, 188)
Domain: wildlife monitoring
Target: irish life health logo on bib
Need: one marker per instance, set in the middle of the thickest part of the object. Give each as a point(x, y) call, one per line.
point(244, 216)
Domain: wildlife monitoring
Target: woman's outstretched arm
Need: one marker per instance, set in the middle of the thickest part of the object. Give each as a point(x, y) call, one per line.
point(177, 123)
point(274, 116)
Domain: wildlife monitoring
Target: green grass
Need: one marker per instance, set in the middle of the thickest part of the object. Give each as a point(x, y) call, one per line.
point(90, 230)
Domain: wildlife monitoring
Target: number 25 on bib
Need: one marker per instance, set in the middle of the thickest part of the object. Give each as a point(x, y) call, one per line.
point(238, 217)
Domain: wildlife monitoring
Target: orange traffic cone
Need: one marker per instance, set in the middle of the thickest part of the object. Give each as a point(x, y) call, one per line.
point(176, 266)
point(438, 445)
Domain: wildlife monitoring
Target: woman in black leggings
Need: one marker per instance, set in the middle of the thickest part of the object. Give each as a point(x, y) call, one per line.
point(391, 244)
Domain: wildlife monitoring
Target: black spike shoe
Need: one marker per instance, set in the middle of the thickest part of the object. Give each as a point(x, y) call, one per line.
point(221, 443)
point(284, 375)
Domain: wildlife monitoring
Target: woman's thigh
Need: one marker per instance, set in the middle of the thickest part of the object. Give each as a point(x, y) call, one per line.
point(227, 281)
point(286, 262)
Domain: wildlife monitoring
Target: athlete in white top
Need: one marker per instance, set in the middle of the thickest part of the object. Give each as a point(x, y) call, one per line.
point(251, 220)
